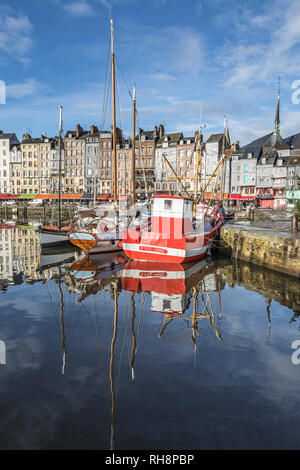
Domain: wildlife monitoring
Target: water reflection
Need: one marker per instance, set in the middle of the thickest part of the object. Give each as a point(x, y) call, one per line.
point(116, 345)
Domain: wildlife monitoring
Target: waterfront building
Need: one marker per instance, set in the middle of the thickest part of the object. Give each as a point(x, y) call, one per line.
point(124, 167)
point(166, 147)
point(145, 144)
point(185, 162)
point(7, 140)
point(293, 179)
point(216, 146)
point(30, 176)
point(92, 162)
point(15, 168)
point(106, 159)
point(74, 157)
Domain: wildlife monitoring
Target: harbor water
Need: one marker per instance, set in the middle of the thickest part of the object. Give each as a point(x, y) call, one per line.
point(103, 353)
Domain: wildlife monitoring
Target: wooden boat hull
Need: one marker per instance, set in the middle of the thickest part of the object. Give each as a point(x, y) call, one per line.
point(92, 244)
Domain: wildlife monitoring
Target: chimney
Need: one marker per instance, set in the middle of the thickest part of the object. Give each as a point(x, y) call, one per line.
point(78, 130)
point(93, 130)
point(155, 132)
point(161, 130)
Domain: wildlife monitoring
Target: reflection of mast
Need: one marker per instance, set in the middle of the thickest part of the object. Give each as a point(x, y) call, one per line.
point(62, 323)
point(111, 366)
point(133, 349)
point(268, 302)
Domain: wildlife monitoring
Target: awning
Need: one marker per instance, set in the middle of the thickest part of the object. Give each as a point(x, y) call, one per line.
point(104, 197)
point(242, 198)
point(215, 196)
point(27, 196)
point(8, 196)
point(63, 196)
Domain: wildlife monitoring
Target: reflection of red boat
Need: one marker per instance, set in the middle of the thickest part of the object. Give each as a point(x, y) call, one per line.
point(175, 235)
point(167, 282)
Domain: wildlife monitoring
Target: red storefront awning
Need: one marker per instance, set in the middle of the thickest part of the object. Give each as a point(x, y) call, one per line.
point(63, 196)
point(242, 198)
point(8, 196)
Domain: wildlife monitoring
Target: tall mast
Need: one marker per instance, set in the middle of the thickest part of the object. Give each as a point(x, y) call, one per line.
point(133, 148)
point(115, 185)
point(59, 168)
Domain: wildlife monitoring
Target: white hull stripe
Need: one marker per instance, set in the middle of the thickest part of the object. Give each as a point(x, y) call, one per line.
point(164, 250)
point(163, 274)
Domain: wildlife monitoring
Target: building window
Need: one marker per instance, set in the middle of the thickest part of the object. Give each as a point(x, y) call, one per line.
point(245, 178)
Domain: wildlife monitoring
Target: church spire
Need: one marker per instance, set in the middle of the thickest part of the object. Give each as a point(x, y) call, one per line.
point(277, 115)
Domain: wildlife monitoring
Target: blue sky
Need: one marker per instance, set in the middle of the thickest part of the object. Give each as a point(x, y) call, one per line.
point(186, 57)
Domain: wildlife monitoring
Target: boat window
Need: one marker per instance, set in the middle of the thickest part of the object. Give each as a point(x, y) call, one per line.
point(168, 204)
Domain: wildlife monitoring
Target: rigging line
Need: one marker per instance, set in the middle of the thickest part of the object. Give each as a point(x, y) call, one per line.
point(106, 98)
point(140, 321)
point(123, 76)
point(108, 64)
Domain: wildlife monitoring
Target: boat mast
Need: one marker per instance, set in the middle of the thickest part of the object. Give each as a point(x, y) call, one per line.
point(59, 168)
point(115, 185)
point(133, 149)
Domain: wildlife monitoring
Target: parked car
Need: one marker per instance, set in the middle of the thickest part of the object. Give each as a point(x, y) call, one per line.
point(8, 203)
point(35, 202)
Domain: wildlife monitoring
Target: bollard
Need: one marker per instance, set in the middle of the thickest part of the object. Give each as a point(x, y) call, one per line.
point(295, 223)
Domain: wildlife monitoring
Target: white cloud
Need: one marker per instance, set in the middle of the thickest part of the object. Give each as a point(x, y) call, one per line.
point(15, 34)
point(22, 90)
point(79, 8)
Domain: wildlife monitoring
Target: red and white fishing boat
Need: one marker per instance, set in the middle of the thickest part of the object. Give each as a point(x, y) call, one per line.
point(175, 235)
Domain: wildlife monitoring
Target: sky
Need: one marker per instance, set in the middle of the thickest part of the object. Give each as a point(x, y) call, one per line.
point(191, 61)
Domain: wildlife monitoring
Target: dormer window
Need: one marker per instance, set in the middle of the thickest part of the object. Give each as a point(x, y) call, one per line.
point(143, 137)
point(166, 139)
point(279, 162)
point(188, 141)
point(181, 142)
point(264, 160)
point(250, 154)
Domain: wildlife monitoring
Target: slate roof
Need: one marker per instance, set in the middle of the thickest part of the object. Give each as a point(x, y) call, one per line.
point(293, 141)
point(10, 135)
point(256, 147)
point(172, 138)
point(214, 138)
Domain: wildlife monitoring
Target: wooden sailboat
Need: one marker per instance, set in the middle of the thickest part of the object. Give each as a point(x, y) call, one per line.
point(56, 235)
point(106, 233)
